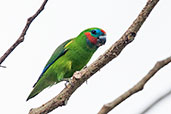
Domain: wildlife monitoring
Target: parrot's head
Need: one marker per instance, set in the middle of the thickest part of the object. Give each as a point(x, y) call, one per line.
point(92, 37)
point(95, 36)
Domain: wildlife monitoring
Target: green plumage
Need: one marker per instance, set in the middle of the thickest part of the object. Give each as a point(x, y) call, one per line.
point(69, 57)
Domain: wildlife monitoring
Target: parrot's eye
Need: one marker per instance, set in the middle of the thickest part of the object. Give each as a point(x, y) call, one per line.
point(93, 32)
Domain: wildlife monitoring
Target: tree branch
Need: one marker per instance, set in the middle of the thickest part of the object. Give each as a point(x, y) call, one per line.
point(138, 87)
point(21, 37)
point(80, 77)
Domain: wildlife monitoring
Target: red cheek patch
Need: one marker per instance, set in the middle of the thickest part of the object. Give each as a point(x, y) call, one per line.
point(92, 39)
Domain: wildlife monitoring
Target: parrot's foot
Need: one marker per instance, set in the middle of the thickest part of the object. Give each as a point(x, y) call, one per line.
point(85, 67)
point(77, 75)
point(68, 81)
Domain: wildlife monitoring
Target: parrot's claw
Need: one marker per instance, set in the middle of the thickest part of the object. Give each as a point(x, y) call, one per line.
point(68, 81)
point(85, 67)
point(77, 75)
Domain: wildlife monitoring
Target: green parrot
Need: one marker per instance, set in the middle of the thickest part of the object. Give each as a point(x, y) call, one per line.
point(70, 56)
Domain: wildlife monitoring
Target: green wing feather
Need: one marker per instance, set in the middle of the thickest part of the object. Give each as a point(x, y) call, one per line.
point(40, 84)
point(60, 51)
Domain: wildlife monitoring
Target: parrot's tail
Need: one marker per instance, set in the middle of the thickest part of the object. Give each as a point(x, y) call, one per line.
point(40, 86)
point(33, 93)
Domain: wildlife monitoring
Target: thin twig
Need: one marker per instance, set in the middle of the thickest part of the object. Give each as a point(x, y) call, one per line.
point(138, 87)
point(21, 38)
point(86, 73)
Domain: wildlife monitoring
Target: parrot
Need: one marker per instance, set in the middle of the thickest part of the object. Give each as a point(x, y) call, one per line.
point(69, 57)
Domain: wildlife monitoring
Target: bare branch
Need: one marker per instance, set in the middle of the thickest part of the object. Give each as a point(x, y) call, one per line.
point(21, 38)
point(86, 73)
point(138, 87)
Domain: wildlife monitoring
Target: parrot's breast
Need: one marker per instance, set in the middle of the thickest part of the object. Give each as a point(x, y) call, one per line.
point(79, 58)
point(76, 57)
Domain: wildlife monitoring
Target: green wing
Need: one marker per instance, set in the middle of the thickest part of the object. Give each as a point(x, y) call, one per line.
point(60, 51)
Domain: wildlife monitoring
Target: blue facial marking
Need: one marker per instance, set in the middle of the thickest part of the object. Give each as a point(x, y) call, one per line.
point(96, 32)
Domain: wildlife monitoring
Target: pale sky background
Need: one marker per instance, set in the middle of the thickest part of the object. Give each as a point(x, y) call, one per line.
point(64, 19)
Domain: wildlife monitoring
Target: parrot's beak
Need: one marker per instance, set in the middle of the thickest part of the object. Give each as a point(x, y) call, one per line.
point(101, 40)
